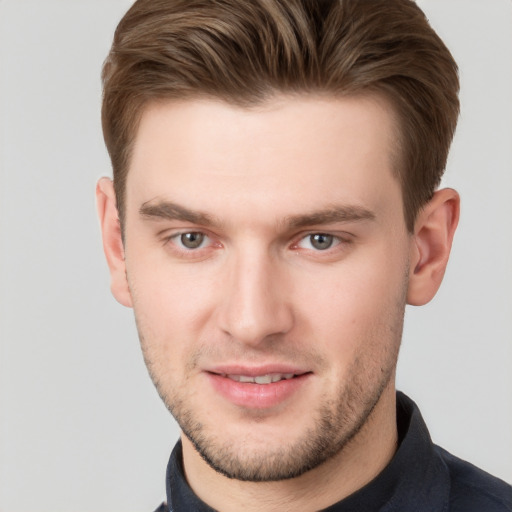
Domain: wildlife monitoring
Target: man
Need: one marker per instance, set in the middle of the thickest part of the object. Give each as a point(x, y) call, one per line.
point(274, 208)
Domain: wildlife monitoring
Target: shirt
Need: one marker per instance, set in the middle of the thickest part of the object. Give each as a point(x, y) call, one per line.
point(421, 477)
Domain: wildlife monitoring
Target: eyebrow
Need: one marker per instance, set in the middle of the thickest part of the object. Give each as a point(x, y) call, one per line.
point(349, 213)
point(169, 210)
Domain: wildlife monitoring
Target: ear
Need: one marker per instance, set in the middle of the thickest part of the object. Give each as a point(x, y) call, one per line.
point(432, 242)
point(112, 240)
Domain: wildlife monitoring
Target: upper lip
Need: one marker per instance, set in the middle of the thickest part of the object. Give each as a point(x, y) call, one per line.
point(255, 371)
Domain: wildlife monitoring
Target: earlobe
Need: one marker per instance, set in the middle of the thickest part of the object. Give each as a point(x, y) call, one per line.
point(112, 241)
point(432, 242)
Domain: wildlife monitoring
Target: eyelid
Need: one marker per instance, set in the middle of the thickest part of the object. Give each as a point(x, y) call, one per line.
point(335, 241)
point(169, 237)
point(342, 239)
point(172, 231)
point(178, 237)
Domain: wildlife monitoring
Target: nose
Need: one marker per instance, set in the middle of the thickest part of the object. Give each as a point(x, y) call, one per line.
point(254, 306)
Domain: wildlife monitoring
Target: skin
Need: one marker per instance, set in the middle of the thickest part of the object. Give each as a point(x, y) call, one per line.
point(262, 187)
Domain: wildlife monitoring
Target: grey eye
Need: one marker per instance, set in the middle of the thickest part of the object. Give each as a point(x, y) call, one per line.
point(321, 241)
point(192, 240)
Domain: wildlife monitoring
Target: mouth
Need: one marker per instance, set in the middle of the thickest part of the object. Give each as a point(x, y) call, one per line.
point(258, 388)
point(268, 378)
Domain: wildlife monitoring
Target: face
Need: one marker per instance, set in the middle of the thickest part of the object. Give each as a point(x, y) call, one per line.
point(267, 260)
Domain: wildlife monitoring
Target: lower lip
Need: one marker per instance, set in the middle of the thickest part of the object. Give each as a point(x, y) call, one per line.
point(257, 396)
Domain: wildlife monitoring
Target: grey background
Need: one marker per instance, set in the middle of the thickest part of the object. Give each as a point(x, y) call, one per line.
point(81, 427)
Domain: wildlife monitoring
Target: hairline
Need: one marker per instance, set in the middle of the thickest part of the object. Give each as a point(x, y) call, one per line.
point(252, 102)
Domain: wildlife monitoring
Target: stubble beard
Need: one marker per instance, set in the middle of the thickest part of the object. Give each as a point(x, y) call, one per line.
point(337, 421)
point(329, 435)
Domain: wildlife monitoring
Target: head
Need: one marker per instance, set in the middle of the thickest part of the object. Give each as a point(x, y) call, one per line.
point(245, 53)
point(272, 211)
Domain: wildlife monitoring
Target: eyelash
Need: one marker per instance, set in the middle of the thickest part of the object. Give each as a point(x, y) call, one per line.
point(178, 247)
point(333, 241)
point(339, 243)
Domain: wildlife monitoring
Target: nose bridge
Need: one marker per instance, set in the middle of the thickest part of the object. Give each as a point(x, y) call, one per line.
point(254, 304)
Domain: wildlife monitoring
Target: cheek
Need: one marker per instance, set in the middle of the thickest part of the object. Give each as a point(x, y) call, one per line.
point(358, 303)
point(173, 296)
point(173, 308)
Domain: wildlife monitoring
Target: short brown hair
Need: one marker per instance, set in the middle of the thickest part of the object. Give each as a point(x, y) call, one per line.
point(243, 52)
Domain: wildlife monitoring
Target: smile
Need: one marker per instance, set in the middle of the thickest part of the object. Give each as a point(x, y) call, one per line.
point(253, 389)
point(260, 379)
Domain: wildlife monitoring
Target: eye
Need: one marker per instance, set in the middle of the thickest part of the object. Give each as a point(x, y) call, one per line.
point(319, 241)
point(191, 240)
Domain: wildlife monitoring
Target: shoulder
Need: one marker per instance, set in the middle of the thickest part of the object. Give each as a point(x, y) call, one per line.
point(474, 490)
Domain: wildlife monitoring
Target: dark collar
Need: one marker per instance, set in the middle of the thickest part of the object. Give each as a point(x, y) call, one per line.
point(415, 479)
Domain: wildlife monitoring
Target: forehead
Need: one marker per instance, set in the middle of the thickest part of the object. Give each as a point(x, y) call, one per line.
point(302, 149)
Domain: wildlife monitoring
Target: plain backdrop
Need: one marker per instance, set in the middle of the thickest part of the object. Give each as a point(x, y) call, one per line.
point(81, 427)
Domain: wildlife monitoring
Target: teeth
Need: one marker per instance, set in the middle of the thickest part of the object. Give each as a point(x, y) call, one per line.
point(261, 379)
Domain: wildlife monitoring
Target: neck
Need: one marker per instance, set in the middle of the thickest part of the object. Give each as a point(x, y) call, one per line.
point(359, 462)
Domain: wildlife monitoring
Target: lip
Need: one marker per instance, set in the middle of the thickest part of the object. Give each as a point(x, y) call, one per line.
point(253, 371)
point(257, 396)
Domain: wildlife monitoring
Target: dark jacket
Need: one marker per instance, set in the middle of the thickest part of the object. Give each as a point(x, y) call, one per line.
point(421, 477)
